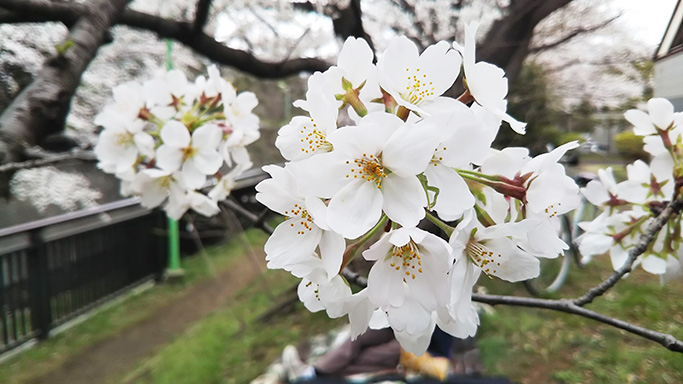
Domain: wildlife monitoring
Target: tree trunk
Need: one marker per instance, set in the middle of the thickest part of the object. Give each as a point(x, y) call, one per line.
point(508, 41)
point(41, 108)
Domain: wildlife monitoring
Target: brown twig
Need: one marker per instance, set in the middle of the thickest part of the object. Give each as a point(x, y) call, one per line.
point(80, 155)
point(568, 306)
point(181, 31)
point(645, 239)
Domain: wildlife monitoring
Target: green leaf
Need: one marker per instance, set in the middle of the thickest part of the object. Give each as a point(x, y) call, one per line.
point(63, 48)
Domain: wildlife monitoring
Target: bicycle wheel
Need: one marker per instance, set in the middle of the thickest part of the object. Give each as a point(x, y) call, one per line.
point(553, 272)
point(585, 212)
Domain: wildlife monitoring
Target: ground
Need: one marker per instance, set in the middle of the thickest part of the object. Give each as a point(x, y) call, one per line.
point(107, 359)
point(219, 327)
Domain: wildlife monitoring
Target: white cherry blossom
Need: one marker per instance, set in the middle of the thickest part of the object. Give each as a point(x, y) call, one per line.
point(491, 250)
point(196, 156)
point(415, 79)
point(306, 136)
point(485, 81)
point(295, 240)
point(464, 140)
point(372, 170)
point(412, 258)
point(120, 143)
point(660, 117)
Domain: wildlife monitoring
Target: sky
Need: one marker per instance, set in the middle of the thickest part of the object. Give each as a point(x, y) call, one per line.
point(648, 18)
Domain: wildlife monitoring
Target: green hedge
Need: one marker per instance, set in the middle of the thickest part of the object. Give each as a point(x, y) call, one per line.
point(630, 146)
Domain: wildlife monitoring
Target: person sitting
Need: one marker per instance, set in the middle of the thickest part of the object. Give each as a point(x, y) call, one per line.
point(374, 352)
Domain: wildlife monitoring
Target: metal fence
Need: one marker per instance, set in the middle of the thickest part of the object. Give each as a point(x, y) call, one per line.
point(55, 269)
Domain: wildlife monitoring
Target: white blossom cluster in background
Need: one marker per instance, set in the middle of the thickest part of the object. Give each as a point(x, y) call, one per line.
point(631, 205)
point(47, 186)
point(168, 138)
point(409, 154)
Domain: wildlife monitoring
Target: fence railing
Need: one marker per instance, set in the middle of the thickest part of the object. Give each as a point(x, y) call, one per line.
point(55, 269)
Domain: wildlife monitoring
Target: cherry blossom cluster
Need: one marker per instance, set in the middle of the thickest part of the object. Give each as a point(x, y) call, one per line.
point(167, 139)
point(628, 207)
point(379, 150)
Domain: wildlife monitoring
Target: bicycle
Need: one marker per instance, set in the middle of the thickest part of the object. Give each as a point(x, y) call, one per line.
point(554, 272)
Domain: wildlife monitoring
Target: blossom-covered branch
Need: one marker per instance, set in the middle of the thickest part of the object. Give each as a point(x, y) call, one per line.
point(646, 238)
point(201, 14)
point(52, 159)
point(182, 31)
point(570, 307)
point(565, 305)
point(41, 108)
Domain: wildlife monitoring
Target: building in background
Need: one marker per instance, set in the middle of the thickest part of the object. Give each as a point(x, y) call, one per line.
point(668, 77)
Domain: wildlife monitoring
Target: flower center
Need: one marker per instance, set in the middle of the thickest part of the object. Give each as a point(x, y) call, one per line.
point(408, 258)
point(189, 152)
point(306, 221)
point(482, 257)
point(551, 210)
point(313, 139)
point(369, 168)
point(124, 139)
point(316, 291)
point(437, 158)
point(418, 87)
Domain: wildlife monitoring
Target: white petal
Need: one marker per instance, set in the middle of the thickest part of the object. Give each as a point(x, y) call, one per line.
point(169, 158)
point(661, 112)
point(404, 199)
point(379, 250)
point(175, 134)
point(193, 178)
point(409, 149)
point(385, 285)
point(515, 265)
point(145, 143)
point(641, 121)
point(207, 162)
point(441, 65)
point(416, 344)
point(288, 244)
point(653, 264)
point(203, 205)
point(594, 243)
point(355, 209)
point(454, 194)
point(332, 247)
point(207, 137)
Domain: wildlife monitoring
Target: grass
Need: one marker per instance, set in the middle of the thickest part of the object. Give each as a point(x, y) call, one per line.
point(534, 346)
point(529, 346)
point(52, 353)
point(233, 345)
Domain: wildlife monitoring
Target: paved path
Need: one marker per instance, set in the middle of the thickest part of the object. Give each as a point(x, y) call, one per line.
point(111, 358)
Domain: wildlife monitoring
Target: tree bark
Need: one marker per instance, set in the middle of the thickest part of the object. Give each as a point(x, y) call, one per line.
point(41, 108)
point(508, 41)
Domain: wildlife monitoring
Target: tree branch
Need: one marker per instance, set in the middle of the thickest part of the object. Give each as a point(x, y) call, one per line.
point(507, 42)
point(355, 278)
point(645, 239)
point(257, 221)
point(34, 11)
point(567, 306)
point(41, 108)
point(180, 31)
point(564, 305)
point(78, 155)
point(201, 15)
point(417, 23)
point(573, 34)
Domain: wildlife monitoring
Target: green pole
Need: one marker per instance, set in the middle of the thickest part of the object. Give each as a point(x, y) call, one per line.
point(174, 270)
point(173, 247)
